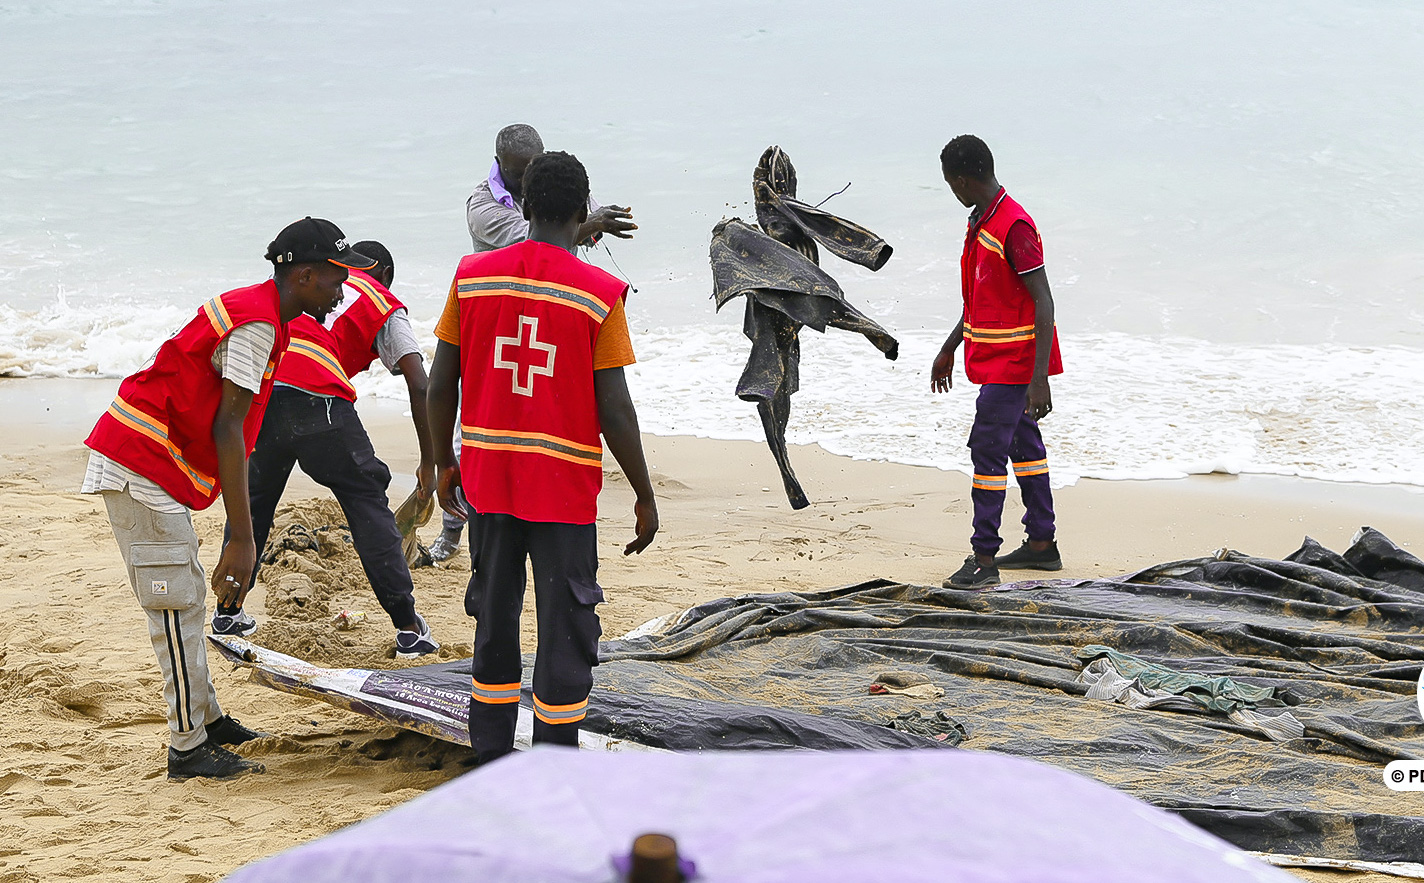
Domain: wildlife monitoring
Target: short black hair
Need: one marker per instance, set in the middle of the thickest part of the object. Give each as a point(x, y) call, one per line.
point(555, 187)
point(519, 139)
point(376, 252)
point(967, 156)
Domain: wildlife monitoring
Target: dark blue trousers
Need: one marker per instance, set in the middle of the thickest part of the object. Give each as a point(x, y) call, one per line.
point(1004, 434)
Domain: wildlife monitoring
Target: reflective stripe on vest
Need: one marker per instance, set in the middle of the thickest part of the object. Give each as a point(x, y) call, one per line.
point(217, 314)
point(532, 289)
point(370, 291)
point(323, 359)
point(152, 427)
point(530, 443)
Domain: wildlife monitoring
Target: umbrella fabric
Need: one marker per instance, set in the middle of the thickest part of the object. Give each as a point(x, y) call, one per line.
point(559, 815)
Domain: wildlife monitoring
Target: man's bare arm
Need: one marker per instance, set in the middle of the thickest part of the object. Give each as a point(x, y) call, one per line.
point(615, 220)
point(412, 368)
point(239, 554)
point(619, 422)
point(942, 373)
point(1040, 397)
point(442, 404)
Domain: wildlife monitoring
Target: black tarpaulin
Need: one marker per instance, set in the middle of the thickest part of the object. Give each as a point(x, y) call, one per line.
point(1332, 640)
point(1339, 634)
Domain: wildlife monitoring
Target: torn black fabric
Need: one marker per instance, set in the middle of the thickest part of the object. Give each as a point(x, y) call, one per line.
point(778, 269)
point(745, 261)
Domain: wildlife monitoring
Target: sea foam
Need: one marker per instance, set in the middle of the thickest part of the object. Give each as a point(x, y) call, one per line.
point(1126, 408)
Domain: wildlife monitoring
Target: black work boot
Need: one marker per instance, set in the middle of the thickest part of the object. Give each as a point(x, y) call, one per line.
point(209, 761)
point(1025, 558)
point(228, 730)
point(973, 575)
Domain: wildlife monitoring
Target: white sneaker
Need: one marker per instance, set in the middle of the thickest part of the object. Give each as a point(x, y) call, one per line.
point(412, 644)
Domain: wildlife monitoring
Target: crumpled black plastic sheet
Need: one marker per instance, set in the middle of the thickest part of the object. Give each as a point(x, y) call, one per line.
point(1339, 633)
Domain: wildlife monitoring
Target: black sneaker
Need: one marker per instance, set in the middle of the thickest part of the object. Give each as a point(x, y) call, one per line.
point(228, 730)
point(239, 624)
point(209, 761)
point(1025, 558)
point(973, 575)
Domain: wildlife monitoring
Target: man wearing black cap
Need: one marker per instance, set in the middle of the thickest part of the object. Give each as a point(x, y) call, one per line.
point(176, 436)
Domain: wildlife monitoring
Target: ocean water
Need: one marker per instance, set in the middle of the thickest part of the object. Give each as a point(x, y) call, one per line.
point(1228, 195)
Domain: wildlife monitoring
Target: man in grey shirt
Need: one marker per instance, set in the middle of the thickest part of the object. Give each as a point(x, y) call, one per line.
point(495, 215)
point(495, 211)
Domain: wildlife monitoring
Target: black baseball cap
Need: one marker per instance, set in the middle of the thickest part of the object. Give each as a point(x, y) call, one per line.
point(313, 240)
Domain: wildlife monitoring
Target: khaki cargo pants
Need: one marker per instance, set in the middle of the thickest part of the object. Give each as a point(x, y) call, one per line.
point(161, 554)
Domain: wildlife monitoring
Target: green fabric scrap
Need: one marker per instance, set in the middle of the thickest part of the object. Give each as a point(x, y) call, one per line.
point(938, 726)
point(1217, 694)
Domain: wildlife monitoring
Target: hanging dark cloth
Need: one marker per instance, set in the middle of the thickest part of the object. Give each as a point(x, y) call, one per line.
point(777, 268)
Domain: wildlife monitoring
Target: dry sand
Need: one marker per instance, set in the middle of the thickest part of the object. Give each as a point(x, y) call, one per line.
point(82, 795)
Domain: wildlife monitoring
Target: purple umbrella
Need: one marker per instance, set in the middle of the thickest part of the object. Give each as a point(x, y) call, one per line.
point(562, 815)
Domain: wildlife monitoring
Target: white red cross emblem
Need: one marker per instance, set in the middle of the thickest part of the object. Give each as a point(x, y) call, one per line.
point(528, 351)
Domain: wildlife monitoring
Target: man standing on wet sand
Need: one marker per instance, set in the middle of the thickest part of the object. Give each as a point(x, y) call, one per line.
point(532, 347)
point(1010, 349)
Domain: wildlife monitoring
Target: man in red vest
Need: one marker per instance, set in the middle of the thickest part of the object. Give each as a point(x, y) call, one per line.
point(531, 349)
point(1011, 349)
point(312, 421)
point(178, 434)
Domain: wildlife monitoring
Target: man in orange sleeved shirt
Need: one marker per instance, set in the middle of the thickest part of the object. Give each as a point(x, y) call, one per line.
point(532, 347)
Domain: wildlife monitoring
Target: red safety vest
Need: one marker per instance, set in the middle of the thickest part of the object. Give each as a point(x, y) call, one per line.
point(999, 312)
point(355, 329)
point(529, 317)
point(311, 362)
point(323, 360)
point(161, 423)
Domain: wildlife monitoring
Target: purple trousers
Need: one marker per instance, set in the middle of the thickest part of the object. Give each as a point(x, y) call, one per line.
point(1002, 434)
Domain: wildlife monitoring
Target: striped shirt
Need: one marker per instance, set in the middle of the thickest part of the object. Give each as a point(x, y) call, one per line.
point(241, 357)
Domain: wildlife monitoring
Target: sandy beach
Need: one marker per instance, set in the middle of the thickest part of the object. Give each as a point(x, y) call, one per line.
point(82, 795)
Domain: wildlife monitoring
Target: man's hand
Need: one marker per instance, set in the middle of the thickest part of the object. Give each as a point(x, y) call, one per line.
point(449, 482)
point(645, 513)
point(234, 571)
point(615, 220)
point(942, 374)
point(1040, 398)
point(425, 480)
